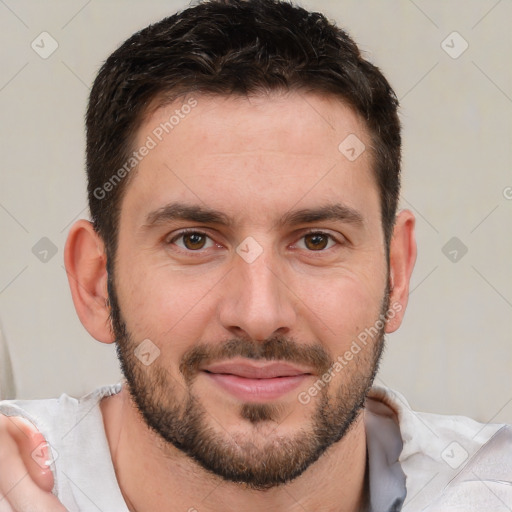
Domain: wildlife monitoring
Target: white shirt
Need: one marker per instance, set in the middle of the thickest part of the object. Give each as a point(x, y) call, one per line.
point(417, 461)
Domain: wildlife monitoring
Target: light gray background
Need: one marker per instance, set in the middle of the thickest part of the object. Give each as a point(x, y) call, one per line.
point(453, 353)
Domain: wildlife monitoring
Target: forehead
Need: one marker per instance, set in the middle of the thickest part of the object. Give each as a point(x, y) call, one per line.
point(273, 122)
point(259, 154)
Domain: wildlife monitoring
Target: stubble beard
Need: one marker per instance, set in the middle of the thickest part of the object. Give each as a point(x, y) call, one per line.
point(264, 461)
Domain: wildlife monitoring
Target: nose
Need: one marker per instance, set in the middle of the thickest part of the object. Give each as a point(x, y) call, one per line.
point(256, 301)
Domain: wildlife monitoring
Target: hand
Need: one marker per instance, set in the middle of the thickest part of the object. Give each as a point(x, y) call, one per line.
point(25, 485)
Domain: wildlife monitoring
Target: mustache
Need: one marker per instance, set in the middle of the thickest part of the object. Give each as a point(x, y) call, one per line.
point(272, 349)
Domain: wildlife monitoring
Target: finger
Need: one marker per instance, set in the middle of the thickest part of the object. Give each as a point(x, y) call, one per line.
point(4, 505)
point(28, 497)
point(33, 450)
point(18, 490)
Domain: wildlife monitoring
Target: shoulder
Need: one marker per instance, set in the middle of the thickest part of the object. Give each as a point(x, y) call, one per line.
point(55, 413)
point(447, 459)
point(74, 431)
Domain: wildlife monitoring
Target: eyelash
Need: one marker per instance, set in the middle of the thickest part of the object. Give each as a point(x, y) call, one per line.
point(200, 252)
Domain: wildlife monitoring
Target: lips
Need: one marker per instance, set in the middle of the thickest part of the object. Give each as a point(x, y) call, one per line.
point(256, 382)
point(253, 371)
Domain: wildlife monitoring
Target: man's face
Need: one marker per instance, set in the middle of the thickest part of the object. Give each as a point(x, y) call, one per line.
point(247, 310)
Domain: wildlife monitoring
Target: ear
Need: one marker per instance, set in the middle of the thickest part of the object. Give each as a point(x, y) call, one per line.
point(86, 267)
point(402, 257)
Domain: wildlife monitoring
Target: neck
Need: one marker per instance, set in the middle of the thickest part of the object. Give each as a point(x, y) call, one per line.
point(155, 476)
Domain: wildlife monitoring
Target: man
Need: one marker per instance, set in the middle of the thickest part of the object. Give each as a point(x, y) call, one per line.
point(247, 259)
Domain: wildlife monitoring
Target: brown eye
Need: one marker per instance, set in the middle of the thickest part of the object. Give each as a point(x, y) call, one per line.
point(316, 241)
point(194, 241)
point(191, 241)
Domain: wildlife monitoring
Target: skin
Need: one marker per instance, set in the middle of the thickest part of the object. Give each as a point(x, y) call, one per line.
point(254, 160)
point(24, 484)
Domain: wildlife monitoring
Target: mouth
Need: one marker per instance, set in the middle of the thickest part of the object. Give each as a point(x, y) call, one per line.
point(256, 382)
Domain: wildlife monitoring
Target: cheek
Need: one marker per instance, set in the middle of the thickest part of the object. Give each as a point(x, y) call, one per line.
point(165, 304)
point(340, 308)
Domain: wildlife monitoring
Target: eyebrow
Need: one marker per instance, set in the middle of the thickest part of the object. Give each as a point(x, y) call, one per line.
point(331, 212)
point(200, 214)
point(182, 211)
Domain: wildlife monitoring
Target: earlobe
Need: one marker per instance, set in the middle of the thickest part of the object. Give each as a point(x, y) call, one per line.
point(85, 261)
point(402, 257)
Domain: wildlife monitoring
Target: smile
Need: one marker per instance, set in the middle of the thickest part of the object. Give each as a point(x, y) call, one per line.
point(250, 382)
